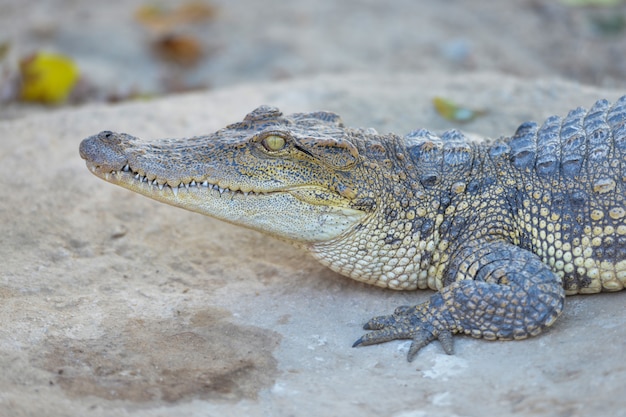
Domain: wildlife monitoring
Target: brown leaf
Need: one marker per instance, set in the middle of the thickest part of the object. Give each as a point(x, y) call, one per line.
point(184, 50)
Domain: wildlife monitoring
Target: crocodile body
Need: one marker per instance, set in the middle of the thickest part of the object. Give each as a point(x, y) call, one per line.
point(502, 231)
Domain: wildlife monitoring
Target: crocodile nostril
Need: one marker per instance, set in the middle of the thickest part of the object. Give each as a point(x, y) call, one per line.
point(105, 150)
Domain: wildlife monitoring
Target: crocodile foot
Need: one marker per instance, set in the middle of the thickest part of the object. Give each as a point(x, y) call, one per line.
point(408, 322)
point(513, 295)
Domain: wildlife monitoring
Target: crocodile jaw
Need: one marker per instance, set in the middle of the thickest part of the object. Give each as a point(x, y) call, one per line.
point(277, 213)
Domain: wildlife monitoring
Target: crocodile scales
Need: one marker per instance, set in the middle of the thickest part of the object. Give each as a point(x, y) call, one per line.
point(501, 231)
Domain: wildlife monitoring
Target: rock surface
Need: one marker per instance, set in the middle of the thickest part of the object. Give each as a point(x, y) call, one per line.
point(115, 305)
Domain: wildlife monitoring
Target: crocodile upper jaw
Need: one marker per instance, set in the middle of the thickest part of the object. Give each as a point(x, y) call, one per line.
point(281, 213)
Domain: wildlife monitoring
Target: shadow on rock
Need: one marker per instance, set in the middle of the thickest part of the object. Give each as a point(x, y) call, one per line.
point(209, 358)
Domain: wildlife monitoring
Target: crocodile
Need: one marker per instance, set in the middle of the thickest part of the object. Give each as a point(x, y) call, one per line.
point(501, 230)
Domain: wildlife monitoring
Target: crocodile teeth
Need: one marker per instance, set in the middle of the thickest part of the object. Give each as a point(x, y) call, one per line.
point(155, 183)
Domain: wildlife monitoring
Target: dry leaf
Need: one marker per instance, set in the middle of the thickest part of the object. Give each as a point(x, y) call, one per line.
point(181, 49)
point(161, 20)
point(195, 12)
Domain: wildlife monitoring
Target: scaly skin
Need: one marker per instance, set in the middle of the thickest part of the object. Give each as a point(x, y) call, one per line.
point(503, 232)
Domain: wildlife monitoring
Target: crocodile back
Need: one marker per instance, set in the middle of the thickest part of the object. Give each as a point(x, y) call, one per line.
point(570, 176)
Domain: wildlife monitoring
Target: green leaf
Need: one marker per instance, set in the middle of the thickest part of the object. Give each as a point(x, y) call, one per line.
point(452, 111)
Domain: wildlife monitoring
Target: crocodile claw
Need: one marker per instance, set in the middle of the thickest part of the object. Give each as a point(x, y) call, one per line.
point(406, 323)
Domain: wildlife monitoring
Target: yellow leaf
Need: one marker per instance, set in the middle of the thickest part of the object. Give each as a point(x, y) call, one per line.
point(47, 78)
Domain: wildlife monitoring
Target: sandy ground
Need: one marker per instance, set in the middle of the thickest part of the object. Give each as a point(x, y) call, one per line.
point(116, 305)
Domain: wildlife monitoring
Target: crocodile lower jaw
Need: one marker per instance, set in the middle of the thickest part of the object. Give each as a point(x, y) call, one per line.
point(278, 213)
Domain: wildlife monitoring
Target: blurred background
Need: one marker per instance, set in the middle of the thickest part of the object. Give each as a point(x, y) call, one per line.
point(68, 52)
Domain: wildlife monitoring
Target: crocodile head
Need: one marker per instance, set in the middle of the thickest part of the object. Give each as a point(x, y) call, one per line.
point(292, 177)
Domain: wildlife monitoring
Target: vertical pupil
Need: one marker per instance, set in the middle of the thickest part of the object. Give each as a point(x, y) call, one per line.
point(274, 142)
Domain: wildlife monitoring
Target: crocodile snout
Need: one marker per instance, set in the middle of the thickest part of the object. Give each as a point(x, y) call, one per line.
point(105, 150)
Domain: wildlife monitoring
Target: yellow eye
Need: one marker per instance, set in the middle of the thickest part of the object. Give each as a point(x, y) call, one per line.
point(274, 143)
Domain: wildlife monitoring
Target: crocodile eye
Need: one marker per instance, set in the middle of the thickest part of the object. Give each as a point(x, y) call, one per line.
point(274, 143)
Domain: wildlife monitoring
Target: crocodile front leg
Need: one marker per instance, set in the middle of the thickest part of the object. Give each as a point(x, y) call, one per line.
point(493, 290)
